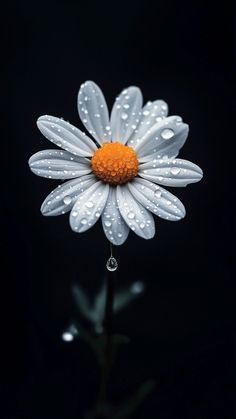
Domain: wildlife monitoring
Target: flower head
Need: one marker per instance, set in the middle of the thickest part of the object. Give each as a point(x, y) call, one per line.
point(117, 175)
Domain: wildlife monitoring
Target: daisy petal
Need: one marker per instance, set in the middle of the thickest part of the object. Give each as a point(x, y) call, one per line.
point(88, 207)
point(152, 113)
point(114, 226)
point(135, 215)
point(126, 114)
point(93, 111)
point(174, 172)
point(157, 200)
point(66, 136)
point(62, 199)
point(56, 164)
point(165, 138)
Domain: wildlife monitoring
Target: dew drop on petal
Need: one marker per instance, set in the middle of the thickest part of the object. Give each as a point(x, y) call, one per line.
point(84, 221)
point(167, 133)
point(175, 170)
point(124, 116)
point(89, 204)
point(131, 215)
point(157, 193)
point(74, 213)
point(67, 200)
point(107, 223)
point(142, 225)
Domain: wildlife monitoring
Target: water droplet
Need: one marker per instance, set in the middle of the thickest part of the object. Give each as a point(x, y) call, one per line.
point(131, 215)
point(157, 193)
point(74, 213)
point(175, 170)
point(97, 214)
point(89, 204)
point(167, 133)
point(84, 221)
point(146, 113)
point(119, 234)
point(126, 106)
point(108, 127)
point(124, 116)
point(112, 264)
point(142, 225)
point(107, 223)
point(67, 200)
point(168, 202)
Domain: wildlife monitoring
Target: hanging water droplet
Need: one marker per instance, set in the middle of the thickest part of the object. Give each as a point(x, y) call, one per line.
point(67, 200)
point(112, 264)
point(175, 170)
point(107, 223)
point(157, 193)
point(167, 133)
point(131, 215)
point(84, 221)
point(89, 204)
point(124, 116)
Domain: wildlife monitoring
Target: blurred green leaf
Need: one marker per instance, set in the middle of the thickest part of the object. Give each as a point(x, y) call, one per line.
point(97, 311)
point(82, 302)
point(131, 405)
point(119, 339)
point(122, 299)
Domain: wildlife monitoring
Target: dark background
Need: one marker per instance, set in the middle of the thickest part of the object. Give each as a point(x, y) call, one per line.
point(180, 328)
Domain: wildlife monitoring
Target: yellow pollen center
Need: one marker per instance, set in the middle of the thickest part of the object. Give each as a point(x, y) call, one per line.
point(115, 163)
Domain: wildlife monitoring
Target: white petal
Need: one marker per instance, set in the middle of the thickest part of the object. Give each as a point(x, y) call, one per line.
point(65, 135)
point(126, 114)
point(56, 164)
point(165, 138)
point(114, 226)
point(152, 113)
point(135, 215)
point(93, 111)
point(156, 199)
point(173, 172)
point(62, 199)
point(89, 207)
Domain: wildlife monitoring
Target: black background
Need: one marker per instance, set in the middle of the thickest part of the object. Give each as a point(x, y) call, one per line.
point(180, 328)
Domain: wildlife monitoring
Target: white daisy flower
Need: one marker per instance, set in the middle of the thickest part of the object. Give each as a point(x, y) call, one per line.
point(117, 176)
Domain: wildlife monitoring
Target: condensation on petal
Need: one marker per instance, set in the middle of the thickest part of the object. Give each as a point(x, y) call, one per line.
point(126, 113)
point(66, 136)
point(93, 111)
point(115, 228)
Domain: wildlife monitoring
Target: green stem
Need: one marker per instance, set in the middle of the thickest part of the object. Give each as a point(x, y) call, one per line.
point(108, 347)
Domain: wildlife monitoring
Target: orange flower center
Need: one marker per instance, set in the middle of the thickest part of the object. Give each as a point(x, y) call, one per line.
point(115, 163)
